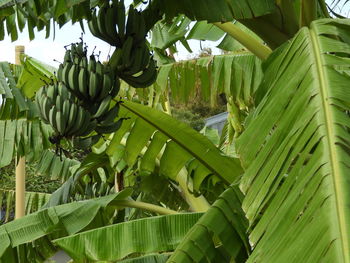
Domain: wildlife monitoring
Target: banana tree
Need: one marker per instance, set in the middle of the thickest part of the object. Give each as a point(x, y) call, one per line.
point(293, 145)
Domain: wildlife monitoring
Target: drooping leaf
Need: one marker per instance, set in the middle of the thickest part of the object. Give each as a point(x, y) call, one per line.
point(218, 235)
point(34, 75)
point(65, 219)
point(33, 202)
point(220, 11)
point(57, 167)
point(180, 136)
point(20, 137)
point(296, 181)
point(236, 75)
point(142, 236)
point(153, 258)
point(73, 185)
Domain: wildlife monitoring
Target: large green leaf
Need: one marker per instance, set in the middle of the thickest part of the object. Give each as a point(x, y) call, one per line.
point(181, 143)
point(236, 75)
point(33, 202)
point(298, 164)
point(218, 235)
point(57, 167)
point(221, 10)
point(22, 137)
point(65, 220)
point(34, 75)
point(142, 236)
point(74, 184)
point(39, 15)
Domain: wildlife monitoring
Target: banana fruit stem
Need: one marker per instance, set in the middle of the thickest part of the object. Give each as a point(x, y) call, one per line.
point(145, 206)
point(254, 46)
point(197, 204)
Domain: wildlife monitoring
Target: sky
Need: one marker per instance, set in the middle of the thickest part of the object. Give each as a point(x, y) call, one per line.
point(50, 49)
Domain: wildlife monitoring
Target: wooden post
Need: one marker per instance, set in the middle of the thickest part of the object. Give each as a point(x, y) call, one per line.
point(20, 168)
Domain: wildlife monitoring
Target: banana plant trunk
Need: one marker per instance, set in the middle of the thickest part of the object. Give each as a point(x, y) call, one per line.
point(20, 165)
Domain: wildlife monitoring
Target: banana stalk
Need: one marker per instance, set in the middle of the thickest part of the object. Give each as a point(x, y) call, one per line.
point(254, 46)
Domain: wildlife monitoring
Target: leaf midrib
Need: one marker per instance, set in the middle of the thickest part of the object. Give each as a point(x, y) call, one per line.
point(179, 143)
point(329, 121)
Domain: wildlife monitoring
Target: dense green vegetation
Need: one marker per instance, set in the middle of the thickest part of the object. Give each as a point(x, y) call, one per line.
point(150, 188)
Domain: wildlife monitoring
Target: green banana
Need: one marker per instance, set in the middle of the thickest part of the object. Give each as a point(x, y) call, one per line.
point(127, 49)
point(109, 128)
point(58, 120)
point(83, 78)
point(59, 103)
point(83, 143)
point(130, 24)
point(73, 78)
point(92, 24)
point(104, 106)
point(106, 86)
point(94, 83)
point(80, 49)
point(109, 116)
point(51, 92)
point(92, 64)
point(115, 59)
point(141, 28)
point(145, 56)
point(67, 57)
point(79, 119)
point(85, 125)
point(84, 62)
point(90, 126)
point(115, 88)
point(46, 106)
point(63, 91)
point(145, 79)
point(99, 68)
point(52, 116)
point(111, 23)
point(72, 118)
point(65, 109)
point(121, 20)
point(136, 62)
point(59, 72)
point(101, 24)
point(65, 72)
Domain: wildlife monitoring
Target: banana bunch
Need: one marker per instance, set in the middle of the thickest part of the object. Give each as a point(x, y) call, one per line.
point(89, 80)
point(133, 61)
point(134, 64)
point(59, 108)
point(108, 24)
point(94, 85)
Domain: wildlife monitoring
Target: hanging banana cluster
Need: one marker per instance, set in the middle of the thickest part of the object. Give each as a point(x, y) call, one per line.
point(59, 108)
point(79, 102)
point(131, 60)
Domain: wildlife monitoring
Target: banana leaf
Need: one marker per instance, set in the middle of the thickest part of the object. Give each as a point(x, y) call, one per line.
point(57, 167)
point(22, 137)
point(182, 144)
point(61, 220)
point(35, 74)
point(220, 234)
point(296, 182)
point(220, 11)
point(33, 202)
point(142, 236)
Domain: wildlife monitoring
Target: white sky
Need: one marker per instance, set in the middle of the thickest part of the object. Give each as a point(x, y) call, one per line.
point(49, 49)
